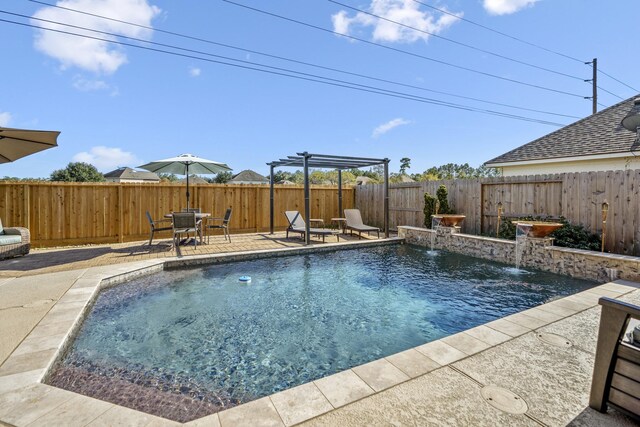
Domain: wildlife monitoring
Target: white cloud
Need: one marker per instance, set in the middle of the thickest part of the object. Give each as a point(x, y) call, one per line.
point(386, 127)
point(107, 158)
point(85, 85)
point(194, 72)
point(5, 118)
point(90, 85)
point(88, 54)
point(406, 12)
point(505, 7)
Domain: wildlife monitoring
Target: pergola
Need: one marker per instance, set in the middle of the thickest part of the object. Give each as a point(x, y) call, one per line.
point(322, 161)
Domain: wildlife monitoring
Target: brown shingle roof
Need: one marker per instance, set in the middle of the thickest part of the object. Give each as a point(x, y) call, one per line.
point(248, 176)
point(600, 133)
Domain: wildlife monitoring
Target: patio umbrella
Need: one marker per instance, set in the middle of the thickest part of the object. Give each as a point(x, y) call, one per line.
point(185, 164)
point(17, 143)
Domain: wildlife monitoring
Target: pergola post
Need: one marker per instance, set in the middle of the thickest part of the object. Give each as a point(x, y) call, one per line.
point(307, 213)
point(271, 201)
point(386, 198)
point(340, 193)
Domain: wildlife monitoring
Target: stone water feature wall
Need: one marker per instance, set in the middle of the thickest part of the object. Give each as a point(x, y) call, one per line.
point(535, 253)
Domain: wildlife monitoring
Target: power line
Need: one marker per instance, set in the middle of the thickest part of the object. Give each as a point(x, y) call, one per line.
point(468, 46)
point(610, 93)
point(316, 79)
point(619, 81)
point(537, 46)
point(446, 12)
point(302, 62)
point(403, 51)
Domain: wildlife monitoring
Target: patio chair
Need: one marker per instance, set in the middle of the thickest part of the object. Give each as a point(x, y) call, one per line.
point(354, 222)
point(14, 241)
point(196, 210)
point(616, 371)
point(224, 226)
point(297, 225)
point(185, 223)
point(158, 225)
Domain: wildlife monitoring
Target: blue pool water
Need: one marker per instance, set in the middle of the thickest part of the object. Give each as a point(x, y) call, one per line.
point(201, 333)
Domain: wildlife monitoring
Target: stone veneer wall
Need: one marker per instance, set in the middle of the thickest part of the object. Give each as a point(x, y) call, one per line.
point(536, 253)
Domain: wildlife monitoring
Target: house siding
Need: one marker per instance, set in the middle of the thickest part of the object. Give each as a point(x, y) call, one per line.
point(595, 165)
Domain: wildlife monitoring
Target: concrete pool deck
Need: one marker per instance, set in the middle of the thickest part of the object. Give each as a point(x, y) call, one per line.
point(544, 355)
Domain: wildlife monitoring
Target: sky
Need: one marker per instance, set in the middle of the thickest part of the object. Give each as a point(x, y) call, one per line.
point(246, 82)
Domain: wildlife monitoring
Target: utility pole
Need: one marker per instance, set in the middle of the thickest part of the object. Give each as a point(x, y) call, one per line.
point(594, 84)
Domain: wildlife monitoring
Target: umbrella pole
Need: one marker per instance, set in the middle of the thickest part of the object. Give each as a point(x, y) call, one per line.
point(188, 187)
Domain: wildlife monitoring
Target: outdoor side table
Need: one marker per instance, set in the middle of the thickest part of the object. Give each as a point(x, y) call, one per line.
point(342, 223)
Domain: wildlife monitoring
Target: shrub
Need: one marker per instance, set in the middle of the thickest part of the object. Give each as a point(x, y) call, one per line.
point(438, 204)
point(442, 194)
point(568, 236)
point(429, 209)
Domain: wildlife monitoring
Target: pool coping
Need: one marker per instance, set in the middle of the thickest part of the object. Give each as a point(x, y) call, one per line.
point(23, 373)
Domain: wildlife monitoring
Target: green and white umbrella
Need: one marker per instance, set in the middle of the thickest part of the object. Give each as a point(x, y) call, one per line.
point(185, 164)
point(17, 143)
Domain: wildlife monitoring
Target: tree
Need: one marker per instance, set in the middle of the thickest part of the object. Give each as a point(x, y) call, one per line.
point(168, 177)
point(455, 171)
point(317, 177)
point(279, 176)
point(223, 177)
point(405, 163)
point(15, 179)
point(77, 172)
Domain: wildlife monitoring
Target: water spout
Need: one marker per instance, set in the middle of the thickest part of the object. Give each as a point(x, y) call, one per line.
point(522, 230)
point(435, 225)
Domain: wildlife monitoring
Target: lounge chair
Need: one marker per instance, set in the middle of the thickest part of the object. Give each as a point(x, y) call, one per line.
point(224, 226)
point(185, 223)
point(354, 222)
point(297, 225)
point(158, 225)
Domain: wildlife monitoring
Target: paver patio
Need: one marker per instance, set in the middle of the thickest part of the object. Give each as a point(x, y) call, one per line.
point(62, 259)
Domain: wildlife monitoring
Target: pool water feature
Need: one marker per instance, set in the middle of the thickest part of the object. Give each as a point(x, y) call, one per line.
point(186, 343)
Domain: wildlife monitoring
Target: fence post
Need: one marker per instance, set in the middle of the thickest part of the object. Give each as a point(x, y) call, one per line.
point(26, 208)
point(120, 215)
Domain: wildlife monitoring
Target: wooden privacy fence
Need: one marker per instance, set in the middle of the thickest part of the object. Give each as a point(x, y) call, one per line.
point(59, 214)
point(576, 196)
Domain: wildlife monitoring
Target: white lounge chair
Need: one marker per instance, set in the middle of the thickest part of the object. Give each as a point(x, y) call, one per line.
point(354, 222)
point(297, 225)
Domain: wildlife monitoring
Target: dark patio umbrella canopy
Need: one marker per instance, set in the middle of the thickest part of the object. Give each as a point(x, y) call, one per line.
point(18, 143)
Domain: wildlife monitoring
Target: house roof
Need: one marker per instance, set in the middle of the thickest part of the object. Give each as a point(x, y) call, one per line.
point(248, 176)
point(128, 173)
point(597, 134)
point(361, 179)
point(194, 179)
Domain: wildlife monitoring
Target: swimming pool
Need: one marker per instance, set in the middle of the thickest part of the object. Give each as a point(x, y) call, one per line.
point(189, 342)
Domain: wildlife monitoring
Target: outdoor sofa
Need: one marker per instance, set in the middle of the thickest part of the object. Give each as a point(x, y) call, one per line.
point(14, 241)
